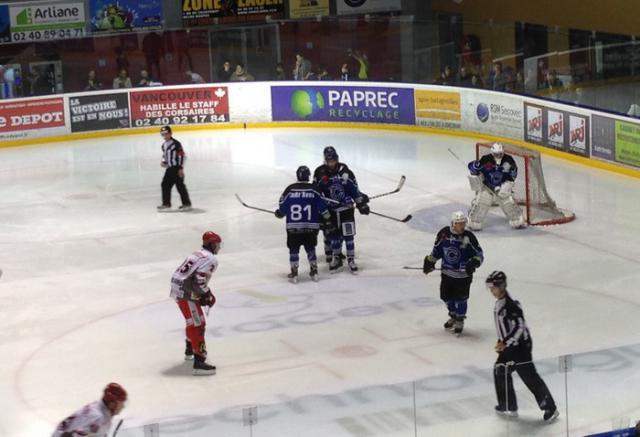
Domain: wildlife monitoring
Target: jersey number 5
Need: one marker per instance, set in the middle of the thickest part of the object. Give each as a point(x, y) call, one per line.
point(297, 212)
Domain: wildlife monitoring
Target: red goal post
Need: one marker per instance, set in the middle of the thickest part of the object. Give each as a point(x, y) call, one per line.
point(530, 190)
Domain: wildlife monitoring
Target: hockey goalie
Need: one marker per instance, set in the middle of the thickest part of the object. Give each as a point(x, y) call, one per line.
point(492, 178)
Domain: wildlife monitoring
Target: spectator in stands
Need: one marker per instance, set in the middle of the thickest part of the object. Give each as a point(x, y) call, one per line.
point(193, 77)
point(634, 110)
point(344, 72)
point(42, 82)
point(464, 78)
point(363, 61)
point(122, 80)
point(518, 84)
point(476, 81)
point(497, 78)
point(446, 77)
point(224, 75)
point(302, 68)
point(92, 82)
point(145, 79)
point(153, 48)
point(551, 82)
point(241, 75)
point(323, 74)
point(278, 72)
point(122, 62)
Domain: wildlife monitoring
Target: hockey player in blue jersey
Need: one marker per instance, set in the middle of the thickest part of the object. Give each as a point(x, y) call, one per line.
point(492, 178)
point(302, 205)
point(335, 182)
point(461, 255)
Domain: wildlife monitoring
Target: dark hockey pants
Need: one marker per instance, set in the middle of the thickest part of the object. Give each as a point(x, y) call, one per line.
point(170, 179)
point(519, 358)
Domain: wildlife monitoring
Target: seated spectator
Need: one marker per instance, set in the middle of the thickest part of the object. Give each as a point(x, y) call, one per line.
point(446, 77)
point(551, 82)
point(122, 80)
point(476, 81)
point(145, 80)
point(344, 72)
point(92, 82)
point(323, 74)
point(518, 85)
point(241, 75)
point(224, 75)
point(278, 72)
point(464, 78)
point(193, 77)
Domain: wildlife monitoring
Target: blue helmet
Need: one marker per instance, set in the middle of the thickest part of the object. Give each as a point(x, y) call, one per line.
point(303, 173)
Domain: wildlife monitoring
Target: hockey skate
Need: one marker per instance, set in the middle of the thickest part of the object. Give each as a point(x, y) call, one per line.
point(313, 272)
point(353, 267)
point(550, 415)
point(458, 326)
point(201, 367)
point(448, 325)
point(336, 264)
point(293, 276)
point(502, 411)
point(184, 208)
point(188, 351)
point(163, 208)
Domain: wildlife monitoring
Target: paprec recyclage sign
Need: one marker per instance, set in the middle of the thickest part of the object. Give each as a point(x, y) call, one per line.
point(344, 103)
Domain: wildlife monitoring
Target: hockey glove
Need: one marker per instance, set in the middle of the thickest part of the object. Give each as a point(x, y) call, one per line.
point(472, 265)
point(278, 214)
point(363, 198)
point(208, 299)
point(363, 208)
point(429, 265)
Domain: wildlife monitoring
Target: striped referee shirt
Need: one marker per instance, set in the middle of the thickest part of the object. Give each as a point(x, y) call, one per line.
point(510, 324)
point(172, 153)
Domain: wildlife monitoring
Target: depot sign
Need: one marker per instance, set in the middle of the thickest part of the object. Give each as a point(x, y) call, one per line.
point(31, 114)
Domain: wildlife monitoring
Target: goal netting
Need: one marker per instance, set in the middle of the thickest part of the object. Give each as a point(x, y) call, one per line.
point(530, 190)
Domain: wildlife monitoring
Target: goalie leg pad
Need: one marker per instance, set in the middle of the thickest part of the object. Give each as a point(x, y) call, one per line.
point(475, 182)
point(512, 210)
point(479, 208)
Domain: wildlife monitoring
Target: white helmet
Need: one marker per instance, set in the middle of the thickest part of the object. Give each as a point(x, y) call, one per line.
point(497, 149)
point(458, 217)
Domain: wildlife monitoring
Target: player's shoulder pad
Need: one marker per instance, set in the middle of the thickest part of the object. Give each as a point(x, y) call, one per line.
point(443, 233)
point(472, 237)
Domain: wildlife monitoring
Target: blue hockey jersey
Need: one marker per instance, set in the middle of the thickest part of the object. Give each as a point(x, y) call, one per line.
point(302, 204)
point(455, 251)
point(337, 185)
point(494, 173)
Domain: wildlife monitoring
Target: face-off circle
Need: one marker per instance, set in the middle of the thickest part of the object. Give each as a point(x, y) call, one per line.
point(355, 3)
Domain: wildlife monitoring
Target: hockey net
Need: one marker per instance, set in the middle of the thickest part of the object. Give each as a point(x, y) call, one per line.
point(530, 190)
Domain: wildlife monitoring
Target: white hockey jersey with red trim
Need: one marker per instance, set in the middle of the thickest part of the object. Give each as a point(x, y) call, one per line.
point(191, 279)
point(92, 420)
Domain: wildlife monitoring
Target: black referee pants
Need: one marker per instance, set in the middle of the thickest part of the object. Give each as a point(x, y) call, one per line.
point(519, 358)
point(170, 179)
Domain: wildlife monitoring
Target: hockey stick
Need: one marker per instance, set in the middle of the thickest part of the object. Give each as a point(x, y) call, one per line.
point(398, 188)
point(418, 268)
point(115, 431)
point(457, 157)
point(402, 220)
point(252, 207)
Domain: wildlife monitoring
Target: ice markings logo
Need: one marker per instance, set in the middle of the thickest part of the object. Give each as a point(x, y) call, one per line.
point(482, 112)
point(355, 3)
point(305, 103)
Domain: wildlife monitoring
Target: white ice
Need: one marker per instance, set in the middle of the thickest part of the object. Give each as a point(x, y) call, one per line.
point(86, 261)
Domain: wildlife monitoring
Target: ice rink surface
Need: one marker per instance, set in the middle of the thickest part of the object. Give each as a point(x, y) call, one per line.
point(87, 260)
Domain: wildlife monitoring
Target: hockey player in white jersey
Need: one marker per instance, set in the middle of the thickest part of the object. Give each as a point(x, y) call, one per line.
point(94, 419)
point(190, 289)
point(492, 178)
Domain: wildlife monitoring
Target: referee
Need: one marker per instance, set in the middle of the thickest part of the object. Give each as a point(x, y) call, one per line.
point(514, 353)
point(173, 160)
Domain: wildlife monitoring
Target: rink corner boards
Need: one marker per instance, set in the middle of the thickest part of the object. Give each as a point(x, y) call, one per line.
point(594, 163)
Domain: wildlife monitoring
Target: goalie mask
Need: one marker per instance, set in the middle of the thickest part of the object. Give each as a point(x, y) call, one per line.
point(497, 150)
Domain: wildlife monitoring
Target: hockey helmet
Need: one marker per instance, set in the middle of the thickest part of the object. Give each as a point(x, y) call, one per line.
point(497, 149)
point(330, 154)
point(458, 217)
point(165, 130)
point(114, 392)
point(211, 237)
point(497, 278)
point(303, 173)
